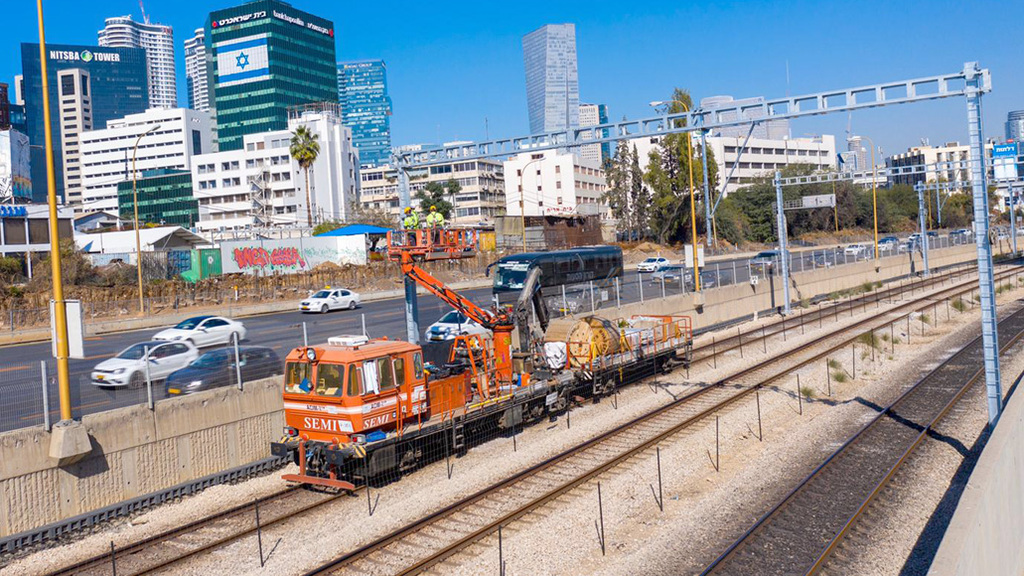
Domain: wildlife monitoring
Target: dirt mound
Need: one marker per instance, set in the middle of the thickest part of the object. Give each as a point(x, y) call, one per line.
point(647, 248)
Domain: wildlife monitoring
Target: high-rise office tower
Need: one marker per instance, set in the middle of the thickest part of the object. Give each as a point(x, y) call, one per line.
point(158, 42)
point(5, 107)
point(592, 115)
point(267, 56)
point(195, 71)
point(74, 117)
point(552, 83)
point(770, 130)
point(366, 108)
point(117, 78)
point(1015, 125)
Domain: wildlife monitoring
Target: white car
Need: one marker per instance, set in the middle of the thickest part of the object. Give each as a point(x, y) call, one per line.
point(204, 331)
point(451, 325)
point(856, 250)
point(652, 264)
point(326, 300)
point(129, 367)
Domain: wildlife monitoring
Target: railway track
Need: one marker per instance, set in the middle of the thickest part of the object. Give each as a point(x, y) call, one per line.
point(163, 551)
point(798, 534)
point(431, 540)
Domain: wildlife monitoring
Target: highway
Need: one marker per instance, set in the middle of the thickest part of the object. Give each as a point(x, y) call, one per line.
point(21, 391)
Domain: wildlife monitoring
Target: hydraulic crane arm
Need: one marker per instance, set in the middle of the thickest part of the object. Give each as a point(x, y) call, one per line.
point(438, 288)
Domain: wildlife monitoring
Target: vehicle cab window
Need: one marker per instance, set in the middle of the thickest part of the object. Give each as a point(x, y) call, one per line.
point(329, 379)
point(384, 373)
point(399, 364)
point(297, 378)
point(417, 366)
point(355, 380)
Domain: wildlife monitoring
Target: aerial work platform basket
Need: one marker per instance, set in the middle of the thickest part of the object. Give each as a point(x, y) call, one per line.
point(432, 244)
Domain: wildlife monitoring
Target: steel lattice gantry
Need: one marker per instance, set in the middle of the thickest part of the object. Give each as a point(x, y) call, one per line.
point(970, 83)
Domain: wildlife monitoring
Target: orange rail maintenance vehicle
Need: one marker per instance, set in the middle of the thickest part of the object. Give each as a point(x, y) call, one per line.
point(357, 408)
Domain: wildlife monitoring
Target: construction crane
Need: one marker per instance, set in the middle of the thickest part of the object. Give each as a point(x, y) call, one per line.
point(145, 18)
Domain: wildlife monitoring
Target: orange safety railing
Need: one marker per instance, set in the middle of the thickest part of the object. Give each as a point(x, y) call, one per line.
point(432, 243)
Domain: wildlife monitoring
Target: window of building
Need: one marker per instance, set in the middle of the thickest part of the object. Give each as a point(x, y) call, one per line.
point(67, 85)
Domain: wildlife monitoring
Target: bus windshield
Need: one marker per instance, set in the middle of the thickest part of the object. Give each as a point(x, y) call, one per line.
point(511, 275)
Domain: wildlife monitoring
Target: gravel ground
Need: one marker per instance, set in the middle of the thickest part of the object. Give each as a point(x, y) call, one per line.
point(902, 529)
point(706, 510)
point(697, 499)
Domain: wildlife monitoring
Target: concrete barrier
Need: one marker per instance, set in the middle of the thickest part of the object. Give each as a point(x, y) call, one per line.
point(984, 535)
point(136, 451)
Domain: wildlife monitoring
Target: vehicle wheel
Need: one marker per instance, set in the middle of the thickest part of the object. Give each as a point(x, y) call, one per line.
point(136, 381)
point(352, 305)
point(324, 309)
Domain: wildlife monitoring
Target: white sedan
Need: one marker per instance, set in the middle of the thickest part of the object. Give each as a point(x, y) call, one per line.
point(451, 325)
point(204, 331)
point(327, 300)
point(129, 367)
point(652, 264)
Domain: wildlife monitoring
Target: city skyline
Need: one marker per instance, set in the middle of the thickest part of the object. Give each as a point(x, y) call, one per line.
point(622, 69)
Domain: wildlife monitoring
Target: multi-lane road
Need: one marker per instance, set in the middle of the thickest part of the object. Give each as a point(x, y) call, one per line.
point(21, 390)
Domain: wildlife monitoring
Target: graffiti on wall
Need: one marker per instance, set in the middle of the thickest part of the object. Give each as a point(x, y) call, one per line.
point(251, 257)
point(290, 255)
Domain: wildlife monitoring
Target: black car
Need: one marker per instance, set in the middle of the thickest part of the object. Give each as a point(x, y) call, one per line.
point(217, 368)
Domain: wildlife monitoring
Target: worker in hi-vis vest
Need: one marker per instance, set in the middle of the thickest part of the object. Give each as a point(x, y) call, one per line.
point(435, 219)
point(412, 220)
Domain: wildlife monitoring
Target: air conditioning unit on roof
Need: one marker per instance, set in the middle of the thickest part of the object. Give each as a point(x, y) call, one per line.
point(348, 340)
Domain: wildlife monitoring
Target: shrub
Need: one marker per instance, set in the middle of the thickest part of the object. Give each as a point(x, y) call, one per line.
point(807, 391)
point(959, 305)
point(839, 376)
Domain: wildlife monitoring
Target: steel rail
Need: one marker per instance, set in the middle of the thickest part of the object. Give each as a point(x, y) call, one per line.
point(781, 505)
point(451, 509)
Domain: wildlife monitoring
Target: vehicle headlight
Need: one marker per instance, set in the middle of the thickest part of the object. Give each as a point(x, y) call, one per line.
point(195, 383)
point(119, 371)
point(178, 337)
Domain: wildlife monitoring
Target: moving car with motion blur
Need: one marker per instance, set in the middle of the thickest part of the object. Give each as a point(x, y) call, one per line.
point(217, 368)
point(129, 368)
point(203, 331)
point(323, 301)
point(652, 264)
point(453, 324)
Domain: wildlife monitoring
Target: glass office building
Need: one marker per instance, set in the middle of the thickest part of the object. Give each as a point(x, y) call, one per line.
point(165, 197)
point(366, 109)
point(118, 85)
point(263, 57)
point(552, 81)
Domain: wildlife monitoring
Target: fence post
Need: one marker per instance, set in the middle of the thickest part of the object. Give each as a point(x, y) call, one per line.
point(593, 308)
point(618, 302)
point(362, 317)
point(46, 396)
point(305, 339)
point(149, 380)
point(238, 366)
point(640, 281)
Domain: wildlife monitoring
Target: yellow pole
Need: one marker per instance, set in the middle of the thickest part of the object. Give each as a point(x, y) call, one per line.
point(60, 313)
point(835, 206)
point(135, 202)
point(693, 204)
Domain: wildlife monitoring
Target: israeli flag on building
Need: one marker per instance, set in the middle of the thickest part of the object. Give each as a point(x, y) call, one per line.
point(242, 60)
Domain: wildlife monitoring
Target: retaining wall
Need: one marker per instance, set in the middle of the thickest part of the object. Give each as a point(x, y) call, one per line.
point(984, 535)
point(136, 451)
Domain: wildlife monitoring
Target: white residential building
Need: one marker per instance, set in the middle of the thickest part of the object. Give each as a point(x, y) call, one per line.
point(158, 42)
point(918, 155)
point(261, 185)
point(106, 154)
point(593, 115)
point(75, 117)
point(481, 194)
point(553, 183)
point(195, 71)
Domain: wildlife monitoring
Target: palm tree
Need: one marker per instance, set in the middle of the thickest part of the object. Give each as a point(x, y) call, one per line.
point(304, 149)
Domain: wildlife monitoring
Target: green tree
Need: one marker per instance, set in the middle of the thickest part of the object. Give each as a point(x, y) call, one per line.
point(639, 196)
point(305, 148)
point(619, 187)
point(327, 226)
point(433, 194)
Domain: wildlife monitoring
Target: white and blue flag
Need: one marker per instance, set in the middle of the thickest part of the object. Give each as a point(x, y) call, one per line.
point(242, 60)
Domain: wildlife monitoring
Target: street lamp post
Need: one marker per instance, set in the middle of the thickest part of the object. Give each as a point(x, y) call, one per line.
point(693, 205)
point(135, 202)
point(874, 195)
point(522, 198)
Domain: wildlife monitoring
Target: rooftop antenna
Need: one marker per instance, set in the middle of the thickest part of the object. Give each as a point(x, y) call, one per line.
point(145, 18)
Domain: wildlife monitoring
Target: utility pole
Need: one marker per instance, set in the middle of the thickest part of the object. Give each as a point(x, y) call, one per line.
point(780, 220)
point(69, 441)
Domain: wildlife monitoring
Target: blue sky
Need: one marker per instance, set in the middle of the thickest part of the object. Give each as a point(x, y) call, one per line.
point(455, 68)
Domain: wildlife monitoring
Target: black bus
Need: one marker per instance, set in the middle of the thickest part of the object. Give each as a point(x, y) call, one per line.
point(579, 266)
